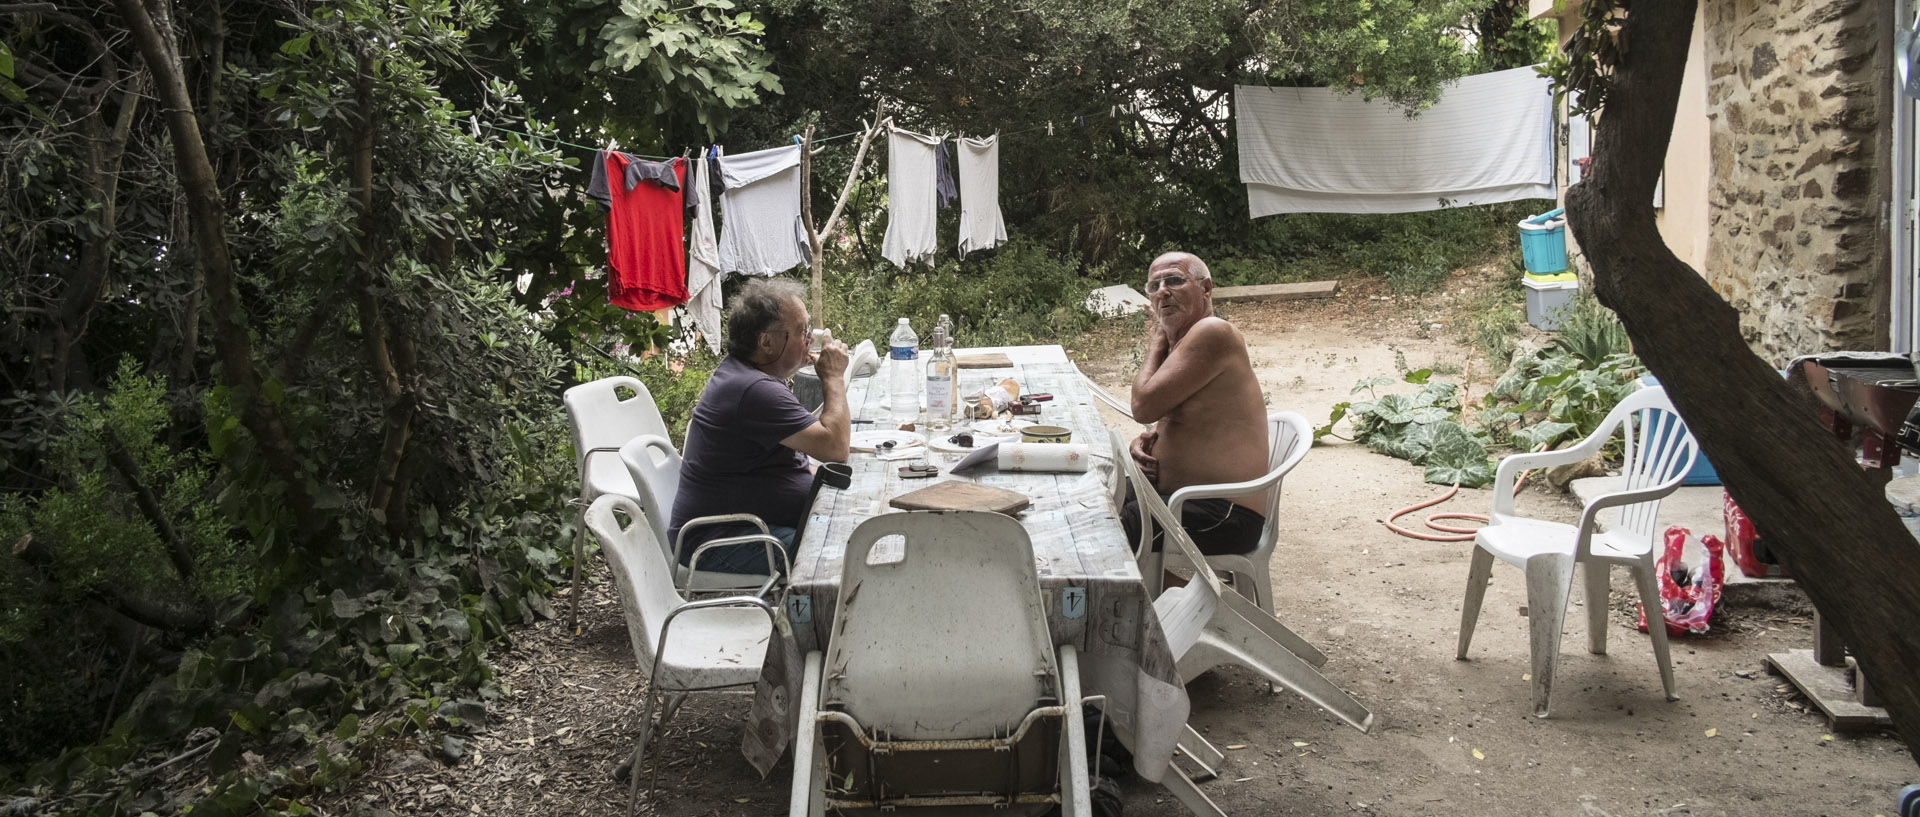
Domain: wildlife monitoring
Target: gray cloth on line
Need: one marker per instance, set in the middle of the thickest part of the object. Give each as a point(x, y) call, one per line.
point(981, 227)
point(762, 234)
point(911, 189)
point(944, 176)
point(704, 274)
point(660, 173)
point(1310, 150)
point(597, 186)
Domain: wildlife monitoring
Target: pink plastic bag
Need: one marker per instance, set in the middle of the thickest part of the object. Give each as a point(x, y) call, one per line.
point(1687, 596)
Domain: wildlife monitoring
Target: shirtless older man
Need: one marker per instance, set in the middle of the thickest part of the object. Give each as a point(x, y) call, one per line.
point(1197, 385)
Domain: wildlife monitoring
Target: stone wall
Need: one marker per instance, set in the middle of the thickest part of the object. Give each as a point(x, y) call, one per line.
point(1801, 152)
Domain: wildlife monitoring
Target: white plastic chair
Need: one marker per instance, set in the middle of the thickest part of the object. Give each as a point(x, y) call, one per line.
point(1207, 625)
point(1658, 453)
point(602, 422)
point(655, 468)
point(940, 685)
point(1289, 437)
point(684, 646)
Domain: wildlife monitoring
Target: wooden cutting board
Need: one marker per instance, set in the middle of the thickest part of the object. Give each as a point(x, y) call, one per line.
point(989, 360)
point(954, 495)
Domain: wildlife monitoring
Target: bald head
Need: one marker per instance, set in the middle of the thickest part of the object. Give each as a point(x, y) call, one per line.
point(1186, 262)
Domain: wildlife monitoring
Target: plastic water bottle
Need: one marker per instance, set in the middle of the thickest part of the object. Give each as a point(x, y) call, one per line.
point(903, 352)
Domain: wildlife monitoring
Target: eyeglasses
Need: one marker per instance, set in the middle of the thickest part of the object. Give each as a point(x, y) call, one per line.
point(1169, 282)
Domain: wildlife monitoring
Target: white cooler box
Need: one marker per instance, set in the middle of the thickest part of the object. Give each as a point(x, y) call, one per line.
point(1546, 299)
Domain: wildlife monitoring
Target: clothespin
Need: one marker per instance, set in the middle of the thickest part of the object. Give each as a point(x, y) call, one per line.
point(796, 139)
point(1049, 127)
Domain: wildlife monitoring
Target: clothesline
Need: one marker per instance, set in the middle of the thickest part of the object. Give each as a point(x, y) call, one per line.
point(490, 126)
point(558, 141)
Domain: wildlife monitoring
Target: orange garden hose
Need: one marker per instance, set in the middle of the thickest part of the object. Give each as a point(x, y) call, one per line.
point(1448, 533)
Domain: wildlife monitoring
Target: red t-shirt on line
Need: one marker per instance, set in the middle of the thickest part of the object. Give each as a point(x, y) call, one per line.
point(646, 249)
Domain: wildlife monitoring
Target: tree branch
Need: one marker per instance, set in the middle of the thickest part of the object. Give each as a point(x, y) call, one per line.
point(1820, 511)
point(39, 557)
point(859, 158)
point(122, 461)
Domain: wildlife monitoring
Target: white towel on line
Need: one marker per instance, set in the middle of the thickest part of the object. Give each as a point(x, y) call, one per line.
point(911, 190)
point(979, 170)
point(1309, 150)
point(763, 234)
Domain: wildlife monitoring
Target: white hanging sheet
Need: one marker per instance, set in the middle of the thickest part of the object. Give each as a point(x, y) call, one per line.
point(1489, 139)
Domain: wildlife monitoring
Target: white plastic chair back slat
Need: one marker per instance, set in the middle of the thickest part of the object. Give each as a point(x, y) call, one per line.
point(1120, 407)
point(949, 642)
point(1183, 611)
point(602, 422)
point(1289, 436)
point(1658, 450)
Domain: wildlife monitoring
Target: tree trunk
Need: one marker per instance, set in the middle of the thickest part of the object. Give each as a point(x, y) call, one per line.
point(393, 362)
point(816, 238)
point(1823, 515)
point(231, 334)
point(66, 364)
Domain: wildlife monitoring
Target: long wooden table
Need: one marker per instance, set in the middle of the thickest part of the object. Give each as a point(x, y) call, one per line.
point(1092, 589)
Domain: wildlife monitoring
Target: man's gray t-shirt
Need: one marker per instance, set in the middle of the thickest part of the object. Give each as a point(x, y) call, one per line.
point(733, 459)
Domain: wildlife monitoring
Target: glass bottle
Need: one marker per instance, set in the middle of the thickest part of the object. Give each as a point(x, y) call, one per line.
point(940, 388)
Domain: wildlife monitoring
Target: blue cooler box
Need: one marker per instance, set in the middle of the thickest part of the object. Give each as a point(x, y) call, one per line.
point(1543, 242)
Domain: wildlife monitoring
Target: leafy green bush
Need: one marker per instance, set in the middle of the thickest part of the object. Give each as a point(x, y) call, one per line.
point(1568, 388)
point(92, 549)
point(1413, 251)
point(1422, 428)
point(1591, 332)
point(1020, 293)
point(1552, 394)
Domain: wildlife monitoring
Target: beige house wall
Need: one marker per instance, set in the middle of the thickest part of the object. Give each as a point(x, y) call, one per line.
point(1684, 218)
point(1780, 166)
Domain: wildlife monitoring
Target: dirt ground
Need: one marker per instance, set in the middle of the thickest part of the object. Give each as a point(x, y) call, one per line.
point(1449, 737)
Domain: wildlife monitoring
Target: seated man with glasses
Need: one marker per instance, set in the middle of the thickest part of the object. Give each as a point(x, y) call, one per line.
point(749, 438)
point(1210, 421)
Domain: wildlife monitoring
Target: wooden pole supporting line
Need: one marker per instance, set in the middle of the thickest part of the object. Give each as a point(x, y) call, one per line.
point(816, 237)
